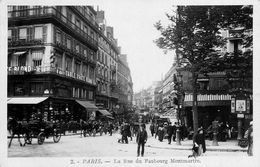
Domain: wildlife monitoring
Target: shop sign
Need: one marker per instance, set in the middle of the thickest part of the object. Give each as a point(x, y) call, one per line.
point(240, 115)
point(25, 69)
point(240, 105)
point(233, 105)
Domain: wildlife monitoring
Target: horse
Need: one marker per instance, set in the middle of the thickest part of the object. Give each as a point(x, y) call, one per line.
point(18, 129)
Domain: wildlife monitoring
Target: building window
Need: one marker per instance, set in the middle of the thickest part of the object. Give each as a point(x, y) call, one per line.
point(22, 60)
point(78, 25)
point(9, 35)
point(85, 29)
point(68, 64)
point(23, 33)
point(85, 53)
point(69, 18)
point(36, 88)
point(58, 62)
point(90, 95)
point(77, 67)
point(91, 55)
point(91, 73)
point(58, 36)
point(85, 70)
point(38, 33)
point(68, 43)
point(77, 48)
point(37, 58)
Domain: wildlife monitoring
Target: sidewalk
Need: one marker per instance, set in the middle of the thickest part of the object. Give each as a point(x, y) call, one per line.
point(228, 146)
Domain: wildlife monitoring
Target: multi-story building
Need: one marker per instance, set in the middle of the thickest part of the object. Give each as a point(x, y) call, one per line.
point(51, 61)
point(125, 85)
point(217, 91)
point(107, 58)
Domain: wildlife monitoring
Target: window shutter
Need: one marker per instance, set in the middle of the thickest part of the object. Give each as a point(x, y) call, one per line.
point(55, 36)
point(44, 33)
point(15, 31)
point(30, 33)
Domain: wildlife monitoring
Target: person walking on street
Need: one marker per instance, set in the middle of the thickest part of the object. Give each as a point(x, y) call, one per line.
point(141, 139)
point(152, 129)
point(160, 133)
point(174, 131)
point(110, 128)
point(249, 137)
point(124, 133)
point(170, 132)
point(199, 141)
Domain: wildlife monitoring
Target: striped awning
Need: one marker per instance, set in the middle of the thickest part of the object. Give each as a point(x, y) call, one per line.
point(208, 97)
point(26, 100)
point(87, 104)
point(19, 53)
point(37, 55)
point(105, 112)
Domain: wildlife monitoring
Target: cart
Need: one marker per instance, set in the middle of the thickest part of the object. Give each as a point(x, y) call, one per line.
point(42, 130)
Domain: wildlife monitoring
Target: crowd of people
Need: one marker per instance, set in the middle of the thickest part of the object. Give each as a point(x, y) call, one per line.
point(168, 131)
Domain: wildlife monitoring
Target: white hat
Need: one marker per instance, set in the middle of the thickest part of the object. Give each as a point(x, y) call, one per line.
point(251, 123)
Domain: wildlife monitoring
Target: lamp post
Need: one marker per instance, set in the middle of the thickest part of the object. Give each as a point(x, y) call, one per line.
point(178, 83)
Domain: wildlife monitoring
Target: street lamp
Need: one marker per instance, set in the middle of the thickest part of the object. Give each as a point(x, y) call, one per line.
point(178, 84)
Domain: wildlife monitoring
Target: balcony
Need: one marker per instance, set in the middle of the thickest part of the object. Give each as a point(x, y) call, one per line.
point(29, 70)
point(48, 14)
point(102, 93)
point(26, 42)
point(64, 48)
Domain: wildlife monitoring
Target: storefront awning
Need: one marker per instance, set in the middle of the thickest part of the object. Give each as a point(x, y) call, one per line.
point(110, 117)
point(26, 100)
point(105, 112)
point(19, 53)
point(87, 104)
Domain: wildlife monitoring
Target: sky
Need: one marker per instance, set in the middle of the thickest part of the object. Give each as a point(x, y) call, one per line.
point(133, 23)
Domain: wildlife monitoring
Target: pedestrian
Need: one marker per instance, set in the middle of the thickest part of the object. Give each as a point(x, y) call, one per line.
point(228, 131)
point(156, 130)
point(128, 131)
point(141, 139)
point(152, 129)
point(160, 133)
point(110, 128)
point(174, 127)
point(124, 133)
point(249, 137)
point(170, 132)
point(199, 141)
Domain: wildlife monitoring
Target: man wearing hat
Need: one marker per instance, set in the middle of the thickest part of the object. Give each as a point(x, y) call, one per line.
point(200, 141)
point(141, 139)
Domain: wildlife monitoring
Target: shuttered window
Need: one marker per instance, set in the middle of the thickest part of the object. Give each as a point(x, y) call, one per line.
point(37, 56)
point(22, 33)
point(38, 33)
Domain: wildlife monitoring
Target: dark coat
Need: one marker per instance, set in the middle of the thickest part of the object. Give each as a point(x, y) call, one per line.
point(170, 130)
point(141, 137)
point(200, 139)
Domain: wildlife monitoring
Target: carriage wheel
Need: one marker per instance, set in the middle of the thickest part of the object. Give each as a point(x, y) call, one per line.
point(41, 138)
point(56, 136)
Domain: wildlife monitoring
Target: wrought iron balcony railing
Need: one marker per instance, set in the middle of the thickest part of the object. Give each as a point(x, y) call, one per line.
point(51, 12)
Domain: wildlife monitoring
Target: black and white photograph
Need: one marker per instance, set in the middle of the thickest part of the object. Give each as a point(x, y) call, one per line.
point(128, 83)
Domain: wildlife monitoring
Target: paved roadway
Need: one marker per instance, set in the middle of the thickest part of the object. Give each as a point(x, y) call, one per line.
point(99, 146)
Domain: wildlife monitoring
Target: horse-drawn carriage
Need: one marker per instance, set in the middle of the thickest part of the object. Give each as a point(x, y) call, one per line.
point(34, 129)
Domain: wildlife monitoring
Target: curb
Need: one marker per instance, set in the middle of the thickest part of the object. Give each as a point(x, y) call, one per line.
point(208, 149)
